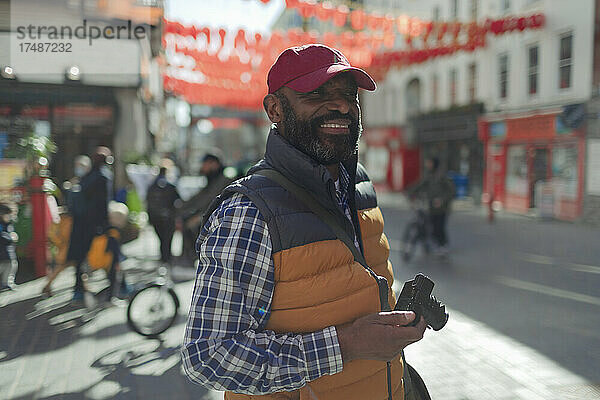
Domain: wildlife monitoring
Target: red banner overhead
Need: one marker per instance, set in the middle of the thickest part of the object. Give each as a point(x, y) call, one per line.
point(225, 68)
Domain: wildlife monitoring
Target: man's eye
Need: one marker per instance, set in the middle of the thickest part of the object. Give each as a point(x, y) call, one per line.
point(315, 93)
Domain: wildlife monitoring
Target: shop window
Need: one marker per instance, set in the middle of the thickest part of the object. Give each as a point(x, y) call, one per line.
point(453, 79)
point(564, 171)
point(472, 82)
point(565, 63)
point(516, 170)
point(503, 75)
point(377, 160)
point(533, 70)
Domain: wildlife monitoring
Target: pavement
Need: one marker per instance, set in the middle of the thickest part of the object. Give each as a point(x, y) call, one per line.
point(51, 349)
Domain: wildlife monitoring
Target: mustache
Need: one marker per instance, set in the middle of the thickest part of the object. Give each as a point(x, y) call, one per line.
point(316, 122)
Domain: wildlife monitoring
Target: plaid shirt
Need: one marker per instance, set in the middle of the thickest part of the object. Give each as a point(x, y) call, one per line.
point(226, 346)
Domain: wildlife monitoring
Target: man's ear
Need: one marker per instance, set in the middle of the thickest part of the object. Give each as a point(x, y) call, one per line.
point(273, 108)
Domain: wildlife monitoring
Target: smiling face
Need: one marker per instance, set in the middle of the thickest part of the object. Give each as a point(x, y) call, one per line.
point(325, 123)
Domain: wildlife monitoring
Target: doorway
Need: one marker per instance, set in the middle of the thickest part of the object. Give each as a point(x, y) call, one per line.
point(538, 170)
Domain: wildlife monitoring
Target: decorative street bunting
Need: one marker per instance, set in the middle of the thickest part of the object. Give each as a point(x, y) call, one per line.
point(226, 68)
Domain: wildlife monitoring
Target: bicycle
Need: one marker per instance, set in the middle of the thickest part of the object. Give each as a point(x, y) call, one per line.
point(153, 308)
point(417, 231)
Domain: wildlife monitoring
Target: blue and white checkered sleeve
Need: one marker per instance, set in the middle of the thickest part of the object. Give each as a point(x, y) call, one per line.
point(226, 346)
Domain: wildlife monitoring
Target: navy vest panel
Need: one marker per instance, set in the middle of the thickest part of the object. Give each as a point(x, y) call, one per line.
point(290, 222)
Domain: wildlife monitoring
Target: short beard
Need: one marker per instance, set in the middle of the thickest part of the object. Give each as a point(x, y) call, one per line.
point(324, 149)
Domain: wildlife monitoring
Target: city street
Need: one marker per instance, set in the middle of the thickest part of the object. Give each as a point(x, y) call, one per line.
point(537, 282)
point(519, 292)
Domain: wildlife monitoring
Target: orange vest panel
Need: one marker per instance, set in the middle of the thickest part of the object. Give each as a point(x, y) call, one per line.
point(318, 285)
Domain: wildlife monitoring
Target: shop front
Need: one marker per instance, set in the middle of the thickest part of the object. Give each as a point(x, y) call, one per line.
point(536, 161)
point(451, 137)
point(391, 163)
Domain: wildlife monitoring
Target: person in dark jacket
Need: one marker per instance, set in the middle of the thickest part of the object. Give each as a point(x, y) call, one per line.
point(193, 209)
point(75, 207)
point(8, 241)
point(439, 192)
point(162, 201)
point(92, 216)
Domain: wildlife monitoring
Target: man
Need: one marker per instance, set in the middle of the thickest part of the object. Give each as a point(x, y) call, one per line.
point(162, 200)
point(280, 305)
point(439, 191)
point(92, 217)
point(192, 210)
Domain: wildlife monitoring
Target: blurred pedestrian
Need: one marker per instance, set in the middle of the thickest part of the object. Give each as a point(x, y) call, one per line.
point(438, 190)
point(59, 234)
point(192, 210)
point(105, 251)
point(96, 191)
point(8, 240)
point(162, 201)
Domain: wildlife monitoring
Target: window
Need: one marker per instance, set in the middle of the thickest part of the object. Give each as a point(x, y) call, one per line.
point(516, 170)
point(503, 75)
point(472, 82)
point(564, 170)
point(505, 5)
point(413, 97)
point(474, 9)
point(453, 78)
point(436, 13)
point(435, 90)
point(454, 10)
point(533, 70)
point(565, 63)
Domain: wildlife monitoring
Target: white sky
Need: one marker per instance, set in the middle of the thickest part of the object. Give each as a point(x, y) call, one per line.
point(251, 15)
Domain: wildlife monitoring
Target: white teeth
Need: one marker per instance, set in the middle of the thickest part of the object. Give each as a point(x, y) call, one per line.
point(333, 126)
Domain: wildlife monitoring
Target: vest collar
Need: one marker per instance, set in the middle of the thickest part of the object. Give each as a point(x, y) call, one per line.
point(303, 170)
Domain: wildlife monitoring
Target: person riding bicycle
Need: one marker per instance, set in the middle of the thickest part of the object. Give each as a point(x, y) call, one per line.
point(438, 191)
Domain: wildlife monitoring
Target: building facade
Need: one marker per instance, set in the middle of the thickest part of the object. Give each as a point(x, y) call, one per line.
point(525, 91)
point(95, 91)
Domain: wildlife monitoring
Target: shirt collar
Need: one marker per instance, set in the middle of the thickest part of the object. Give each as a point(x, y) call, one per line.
point(344, 178)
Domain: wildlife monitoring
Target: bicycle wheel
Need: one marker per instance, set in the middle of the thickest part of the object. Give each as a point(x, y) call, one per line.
point(409, 241)
point(152, 310)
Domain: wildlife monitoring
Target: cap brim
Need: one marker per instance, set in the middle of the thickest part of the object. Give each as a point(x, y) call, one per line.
point(312, 80)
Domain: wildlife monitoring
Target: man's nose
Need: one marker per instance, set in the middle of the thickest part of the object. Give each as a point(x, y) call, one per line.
point(339, 103)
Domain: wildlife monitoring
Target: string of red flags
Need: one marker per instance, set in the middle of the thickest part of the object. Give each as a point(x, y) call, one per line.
point(229, 68)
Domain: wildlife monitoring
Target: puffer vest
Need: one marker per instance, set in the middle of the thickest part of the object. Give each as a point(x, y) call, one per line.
point(317, 281)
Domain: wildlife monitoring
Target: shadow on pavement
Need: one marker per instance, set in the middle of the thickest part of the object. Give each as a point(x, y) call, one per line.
point(39, 325)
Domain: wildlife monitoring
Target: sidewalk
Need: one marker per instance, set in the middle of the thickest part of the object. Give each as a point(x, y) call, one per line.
point(52, 350)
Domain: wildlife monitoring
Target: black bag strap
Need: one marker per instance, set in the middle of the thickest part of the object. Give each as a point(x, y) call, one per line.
point(330, 219)
point(414, 387)
point(326, 216)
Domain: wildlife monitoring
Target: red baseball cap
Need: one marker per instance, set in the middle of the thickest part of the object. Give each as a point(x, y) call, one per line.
point(305, 68)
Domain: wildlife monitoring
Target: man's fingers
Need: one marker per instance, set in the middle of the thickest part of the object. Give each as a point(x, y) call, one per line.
point(397, 317)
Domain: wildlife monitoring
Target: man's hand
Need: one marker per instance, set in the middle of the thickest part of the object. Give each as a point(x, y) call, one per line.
point(379, 336)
